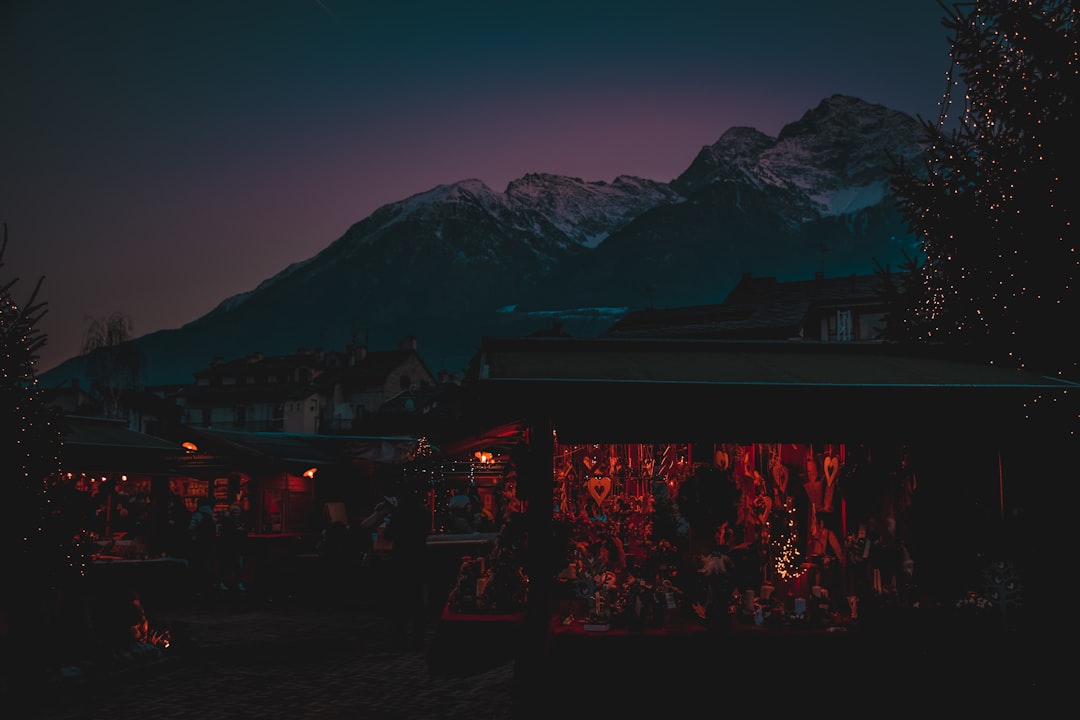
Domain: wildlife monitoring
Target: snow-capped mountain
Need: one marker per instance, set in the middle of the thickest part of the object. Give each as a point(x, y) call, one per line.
point(830, 162)
point(462, 260)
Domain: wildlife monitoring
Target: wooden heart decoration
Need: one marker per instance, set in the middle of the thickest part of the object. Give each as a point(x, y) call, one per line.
point(780, 475)
point(832, 468)
point(723, 460)
point(599, 487)
point(748, 463)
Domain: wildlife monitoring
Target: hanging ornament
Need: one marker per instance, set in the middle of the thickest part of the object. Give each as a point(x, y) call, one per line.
point(598, 488)
point(780, 477)
point(832, 468)
point(748, 461)
point(666, 460)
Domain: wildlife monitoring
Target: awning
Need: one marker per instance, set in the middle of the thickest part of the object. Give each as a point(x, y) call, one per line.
point(502, 437)
point(297, 452)
point(102, 445)
point(617, 390)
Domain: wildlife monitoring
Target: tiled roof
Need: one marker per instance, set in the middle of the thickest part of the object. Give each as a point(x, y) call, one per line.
point(758, 308)
point(371, 371)
point(314, 450)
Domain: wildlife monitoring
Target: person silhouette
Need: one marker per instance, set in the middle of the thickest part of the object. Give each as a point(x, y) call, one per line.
point(231, 544)
point(408, 524)
point(202, 546)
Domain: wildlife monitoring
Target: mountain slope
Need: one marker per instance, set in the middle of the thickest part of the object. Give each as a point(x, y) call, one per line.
point(461, 261)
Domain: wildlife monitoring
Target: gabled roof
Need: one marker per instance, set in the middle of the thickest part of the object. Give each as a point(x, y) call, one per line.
point(202, 394)
point(372, 371)
point(258, 363)
point(758, 308)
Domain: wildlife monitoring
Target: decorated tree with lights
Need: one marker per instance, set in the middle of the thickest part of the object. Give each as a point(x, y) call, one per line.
point(37, 555)
point(994, 204)
point(784, 542)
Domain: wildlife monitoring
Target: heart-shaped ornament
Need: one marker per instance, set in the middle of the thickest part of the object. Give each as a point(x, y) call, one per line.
point(599, 488)
point(832, 468)
point(723, 460)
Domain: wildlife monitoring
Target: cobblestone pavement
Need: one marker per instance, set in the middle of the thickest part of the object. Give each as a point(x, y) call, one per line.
point(248, 661)
point(238, 656)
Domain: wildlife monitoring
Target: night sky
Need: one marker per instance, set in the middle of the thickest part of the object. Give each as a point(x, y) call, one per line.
point(157, 157)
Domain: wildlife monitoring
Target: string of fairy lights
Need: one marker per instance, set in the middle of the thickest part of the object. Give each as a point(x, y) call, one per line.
point(37, 438)
point(992, 215)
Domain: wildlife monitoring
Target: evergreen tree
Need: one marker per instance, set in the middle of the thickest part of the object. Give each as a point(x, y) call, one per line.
point(37, 555)
point(994, 205)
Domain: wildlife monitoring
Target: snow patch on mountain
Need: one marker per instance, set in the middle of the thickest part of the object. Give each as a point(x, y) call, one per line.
point(834, 160)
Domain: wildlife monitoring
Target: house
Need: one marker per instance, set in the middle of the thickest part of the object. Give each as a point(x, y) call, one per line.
point(149, 411)
point(71, 399)
point(367, 381)
point(307, 392)
point(836, 309)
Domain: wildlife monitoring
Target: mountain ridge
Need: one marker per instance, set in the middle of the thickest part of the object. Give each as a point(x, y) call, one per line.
point(460, 261)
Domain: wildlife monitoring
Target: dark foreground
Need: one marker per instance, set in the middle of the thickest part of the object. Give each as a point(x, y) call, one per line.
point(237, 657)
point(306, 649)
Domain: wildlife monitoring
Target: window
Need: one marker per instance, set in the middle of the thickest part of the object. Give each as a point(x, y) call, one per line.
point(843, 326)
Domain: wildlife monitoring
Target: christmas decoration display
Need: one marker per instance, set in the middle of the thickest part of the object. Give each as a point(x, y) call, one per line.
point(495, 583)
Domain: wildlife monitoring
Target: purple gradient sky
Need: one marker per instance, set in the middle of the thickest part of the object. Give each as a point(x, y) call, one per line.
point(159, 157)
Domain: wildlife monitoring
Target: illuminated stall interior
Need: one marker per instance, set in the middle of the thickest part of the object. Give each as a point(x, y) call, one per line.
point(827, 472)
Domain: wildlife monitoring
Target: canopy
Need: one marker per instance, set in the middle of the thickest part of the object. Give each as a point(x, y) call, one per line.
point(618, 390)
point(102, 445)
point(297, 451)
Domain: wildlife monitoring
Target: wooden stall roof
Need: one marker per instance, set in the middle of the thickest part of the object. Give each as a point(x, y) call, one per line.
point(298, 451)
point(617, 389)
point(96, 445)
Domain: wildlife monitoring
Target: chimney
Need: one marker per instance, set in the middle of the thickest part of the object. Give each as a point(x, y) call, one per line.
point(407, 343)
point(356, 353)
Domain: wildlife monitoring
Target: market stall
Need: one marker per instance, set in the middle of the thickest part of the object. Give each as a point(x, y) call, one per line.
point(763, 489)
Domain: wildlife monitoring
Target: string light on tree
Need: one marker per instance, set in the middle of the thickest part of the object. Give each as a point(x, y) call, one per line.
point(999, 246)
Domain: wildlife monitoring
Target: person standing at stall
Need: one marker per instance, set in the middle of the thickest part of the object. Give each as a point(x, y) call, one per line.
point(202, 546)
point(232, 544)
point(408, 524)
